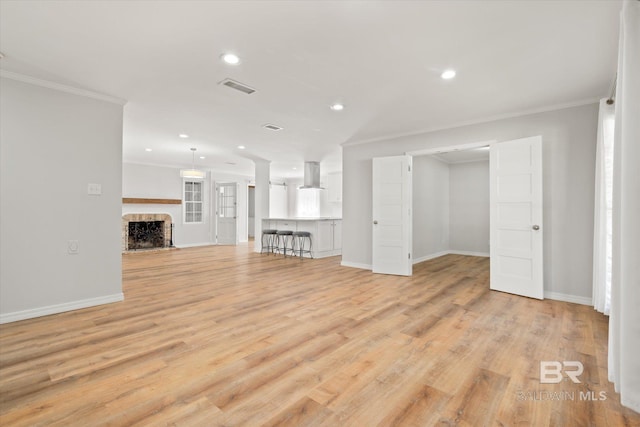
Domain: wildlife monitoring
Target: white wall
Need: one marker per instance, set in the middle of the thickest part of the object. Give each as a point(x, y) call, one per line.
point(157, 182)
point(568, 137)
point(469, 209)
point(430, 207)
point(53, 143)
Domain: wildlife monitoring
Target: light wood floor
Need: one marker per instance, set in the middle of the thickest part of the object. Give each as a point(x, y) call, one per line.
point(222, 336)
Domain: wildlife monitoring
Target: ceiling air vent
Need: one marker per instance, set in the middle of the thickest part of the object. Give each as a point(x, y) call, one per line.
point(272, 127)
point(237, 86)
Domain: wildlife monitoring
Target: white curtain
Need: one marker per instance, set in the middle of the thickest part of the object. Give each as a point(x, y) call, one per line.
point(624, 321)
point(602, 232)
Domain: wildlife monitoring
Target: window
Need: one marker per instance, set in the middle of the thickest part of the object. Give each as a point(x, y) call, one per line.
point(193, 206)
point(227, 201)
point(608, 129)
point(603, 213)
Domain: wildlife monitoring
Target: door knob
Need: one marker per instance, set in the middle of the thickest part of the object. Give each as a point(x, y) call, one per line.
point(536, 227)
point(375, 222)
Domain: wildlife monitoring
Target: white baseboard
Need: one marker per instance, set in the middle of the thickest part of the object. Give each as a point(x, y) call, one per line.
point(443, 253)
point(356, 265)
point(193, 245)
point(568, 298)
point(59, 308)
point(431, 256)
point(469, 253)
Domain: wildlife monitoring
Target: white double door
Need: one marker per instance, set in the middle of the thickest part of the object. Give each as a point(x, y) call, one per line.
point(516, 216)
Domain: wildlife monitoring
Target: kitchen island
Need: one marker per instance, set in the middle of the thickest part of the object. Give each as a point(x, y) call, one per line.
point(326, 232)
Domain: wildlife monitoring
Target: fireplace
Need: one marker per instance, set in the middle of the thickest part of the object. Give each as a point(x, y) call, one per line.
point(146, 234)
point(146, 231)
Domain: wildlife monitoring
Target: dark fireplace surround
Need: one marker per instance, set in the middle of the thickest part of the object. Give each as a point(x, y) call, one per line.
point(145, 231)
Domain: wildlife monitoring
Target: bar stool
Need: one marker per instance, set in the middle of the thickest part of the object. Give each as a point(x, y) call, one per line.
point(284, 241)
point(299, 240)
point(269, 240)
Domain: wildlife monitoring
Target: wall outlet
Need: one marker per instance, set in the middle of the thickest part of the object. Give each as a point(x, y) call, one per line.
point(73, 247)
point(94, 189)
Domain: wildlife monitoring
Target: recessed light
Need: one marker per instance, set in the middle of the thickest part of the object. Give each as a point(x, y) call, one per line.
point(183, 135)
point(241, 147)
point(148, 149)
point(337, 107)
point(448, 74)
point(294, 168)
point(230, 58)
point(202, 157)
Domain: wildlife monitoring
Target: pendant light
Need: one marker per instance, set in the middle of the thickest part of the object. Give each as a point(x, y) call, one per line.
point(192, 173)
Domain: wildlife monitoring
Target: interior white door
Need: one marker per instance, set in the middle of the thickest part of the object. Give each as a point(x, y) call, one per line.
point(392, 225)
point(226, 213)
point(516, 217)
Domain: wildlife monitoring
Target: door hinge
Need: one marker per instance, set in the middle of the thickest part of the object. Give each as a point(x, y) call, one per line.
point(409, 168)
point(409, 256)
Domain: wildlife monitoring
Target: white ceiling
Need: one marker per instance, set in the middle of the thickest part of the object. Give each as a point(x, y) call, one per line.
point(382, 59)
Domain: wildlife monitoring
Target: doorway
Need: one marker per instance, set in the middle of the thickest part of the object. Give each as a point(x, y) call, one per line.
point(227, 213)
point(451, 204)
point(251, 211)
point(515, 214)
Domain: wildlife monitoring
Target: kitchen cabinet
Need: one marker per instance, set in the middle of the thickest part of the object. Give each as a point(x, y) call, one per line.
point(337, 235)
point(326, 233)
point(286, 225)
point(324, 237)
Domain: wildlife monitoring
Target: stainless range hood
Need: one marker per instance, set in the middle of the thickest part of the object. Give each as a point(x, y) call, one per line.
point(311, 176)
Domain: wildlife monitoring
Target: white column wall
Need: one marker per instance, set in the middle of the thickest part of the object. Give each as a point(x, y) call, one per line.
point(53, 143)
point(263, 171)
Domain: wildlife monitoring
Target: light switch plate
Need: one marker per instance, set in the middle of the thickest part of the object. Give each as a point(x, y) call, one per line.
point(94, 189)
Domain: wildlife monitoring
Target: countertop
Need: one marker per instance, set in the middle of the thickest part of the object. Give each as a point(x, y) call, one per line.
point(327, 218)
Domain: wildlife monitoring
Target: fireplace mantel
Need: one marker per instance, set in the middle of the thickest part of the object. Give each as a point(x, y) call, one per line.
point(137, 200)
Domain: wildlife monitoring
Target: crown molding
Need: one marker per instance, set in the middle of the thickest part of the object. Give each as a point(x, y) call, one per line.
point(475, 122)
point(62, 88)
